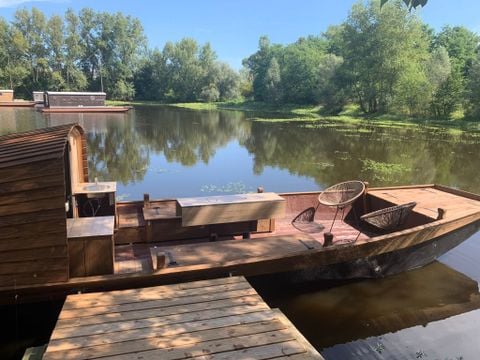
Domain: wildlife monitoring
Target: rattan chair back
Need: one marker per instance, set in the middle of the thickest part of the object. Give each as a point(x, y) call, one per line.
point(389, 218)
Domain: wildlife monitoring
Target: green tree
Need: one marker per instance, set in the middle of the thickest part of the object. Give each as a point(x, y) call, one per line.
point(184, 70)
point(462, 46)
point(330, 89)
point(273, 83)
point(472, 94)
point(377, 47)
point(299, 69)
point(409, 3)
point(75, 79)
point(29, 39)
point(56, 55)
point(227, 82)
point(258, 65)
point(448, 96)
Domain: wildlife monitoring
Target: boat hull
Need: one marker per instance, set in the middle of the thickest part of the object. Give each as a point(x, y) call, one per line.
point(390, 263)
point(17, 103)
point(85, 109)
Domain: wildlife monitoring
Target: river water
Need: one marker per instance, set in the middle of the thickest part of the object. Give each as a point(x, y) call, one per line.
point(431, 313)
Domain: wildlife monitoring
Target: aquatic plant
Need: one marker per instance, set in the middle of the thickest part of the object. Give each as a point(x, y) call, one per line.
point(230, 188)
point(383, 171)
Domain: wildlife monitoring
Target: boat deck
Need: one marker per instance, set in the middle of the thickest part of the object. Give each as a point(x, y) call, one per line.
point(429, 199)
point(219, 319)
point(285, 240)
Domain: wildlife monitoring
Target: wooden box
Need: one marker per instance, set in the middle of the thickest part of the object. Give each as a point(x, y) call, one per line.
point(229, 208)
point(90, 245)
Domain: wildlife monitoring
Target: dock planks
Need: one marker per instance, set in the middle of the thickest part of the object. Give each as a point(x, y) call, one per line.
point(220, 318)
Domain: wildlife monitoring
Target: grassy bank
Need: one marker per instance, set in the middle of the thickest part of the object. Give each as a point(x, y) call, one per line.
point(259, 111)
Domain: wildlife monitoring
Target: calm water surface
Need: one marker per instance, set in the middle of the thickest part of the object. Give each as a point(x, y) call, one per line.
point(431, 313)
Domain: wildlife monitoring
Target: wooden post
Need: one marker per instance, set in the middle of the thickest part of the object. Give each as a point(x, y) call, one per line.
point(146, 200)
point(328, 239)
point(441, 213)
point(160, 260)
point(365, 206)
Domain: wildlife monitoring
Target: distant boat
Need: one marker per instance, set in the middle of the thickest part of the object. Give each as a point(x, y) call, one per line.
point(61, 232)
point(77, 102)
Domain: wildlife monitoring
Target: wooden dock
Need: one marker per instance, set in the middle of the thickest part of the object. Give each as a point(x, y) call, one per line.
point(214, 319)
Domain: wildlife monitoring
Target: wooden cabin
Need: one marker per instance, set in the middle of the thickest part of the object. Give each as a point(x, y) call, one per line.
point(6, 95)
point(43, 238)
point(73, 99)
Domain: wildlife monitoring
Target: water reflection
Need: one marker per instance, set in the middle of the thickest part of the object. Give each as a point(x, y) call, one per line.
point(142, 148)
point(330, 152)
point(386, 318)
point(189, 137)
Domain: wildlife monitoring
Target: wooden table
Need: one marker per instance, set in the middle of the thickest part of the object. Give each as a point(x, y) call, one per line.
point(229, 208)
point(215, 319)
point(90, 245)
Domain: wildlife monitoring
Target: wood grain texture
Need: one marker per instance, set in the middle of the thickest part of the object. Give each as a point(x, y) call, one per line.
point(228, 324)
point(229, 208)
point(33, 246)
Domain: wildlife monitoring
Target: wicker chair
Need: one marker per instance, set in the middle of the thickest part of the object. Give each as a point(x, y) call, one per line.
point(340, 195)
point(389, 218)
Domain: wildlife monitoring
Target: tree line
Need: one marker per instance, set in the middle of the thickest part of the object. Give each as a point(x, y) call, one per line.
point(84, 51)
point(385, 59)
point(382, 58)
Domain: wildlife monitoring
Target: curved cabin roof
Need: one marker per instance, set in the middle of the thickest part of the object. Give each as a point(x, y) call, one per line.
point(37, 145)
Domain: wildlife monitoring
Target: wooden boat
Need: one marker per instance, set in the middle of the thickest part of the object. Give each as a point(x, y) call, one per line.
point(50, 244)
point(78, 102)
point(17, 103)
point(85, 109)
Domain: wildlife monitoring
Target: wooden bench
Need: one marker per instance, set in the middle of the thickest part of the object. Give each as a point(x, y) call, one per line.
point(229, 208)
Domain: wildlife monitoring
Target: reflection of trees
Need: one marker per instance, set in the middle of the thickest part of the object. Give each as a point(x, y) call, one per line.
point(117, 154)
point(326, 152)
point(332, 153)
point(189, 136)
point(19, 120)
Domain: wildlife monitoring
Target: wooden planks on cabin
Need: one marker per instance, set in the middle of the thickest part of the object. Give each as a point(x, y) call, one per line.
point(33, 247)
point(219, 318)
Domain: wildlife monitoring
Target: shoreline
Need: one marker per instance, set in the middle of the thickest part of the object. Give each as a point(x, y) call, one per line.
point(294, 112)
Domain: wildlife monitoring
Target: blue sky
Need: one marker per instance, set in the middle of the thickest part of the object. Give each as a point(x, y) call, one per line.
point(233, 27)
